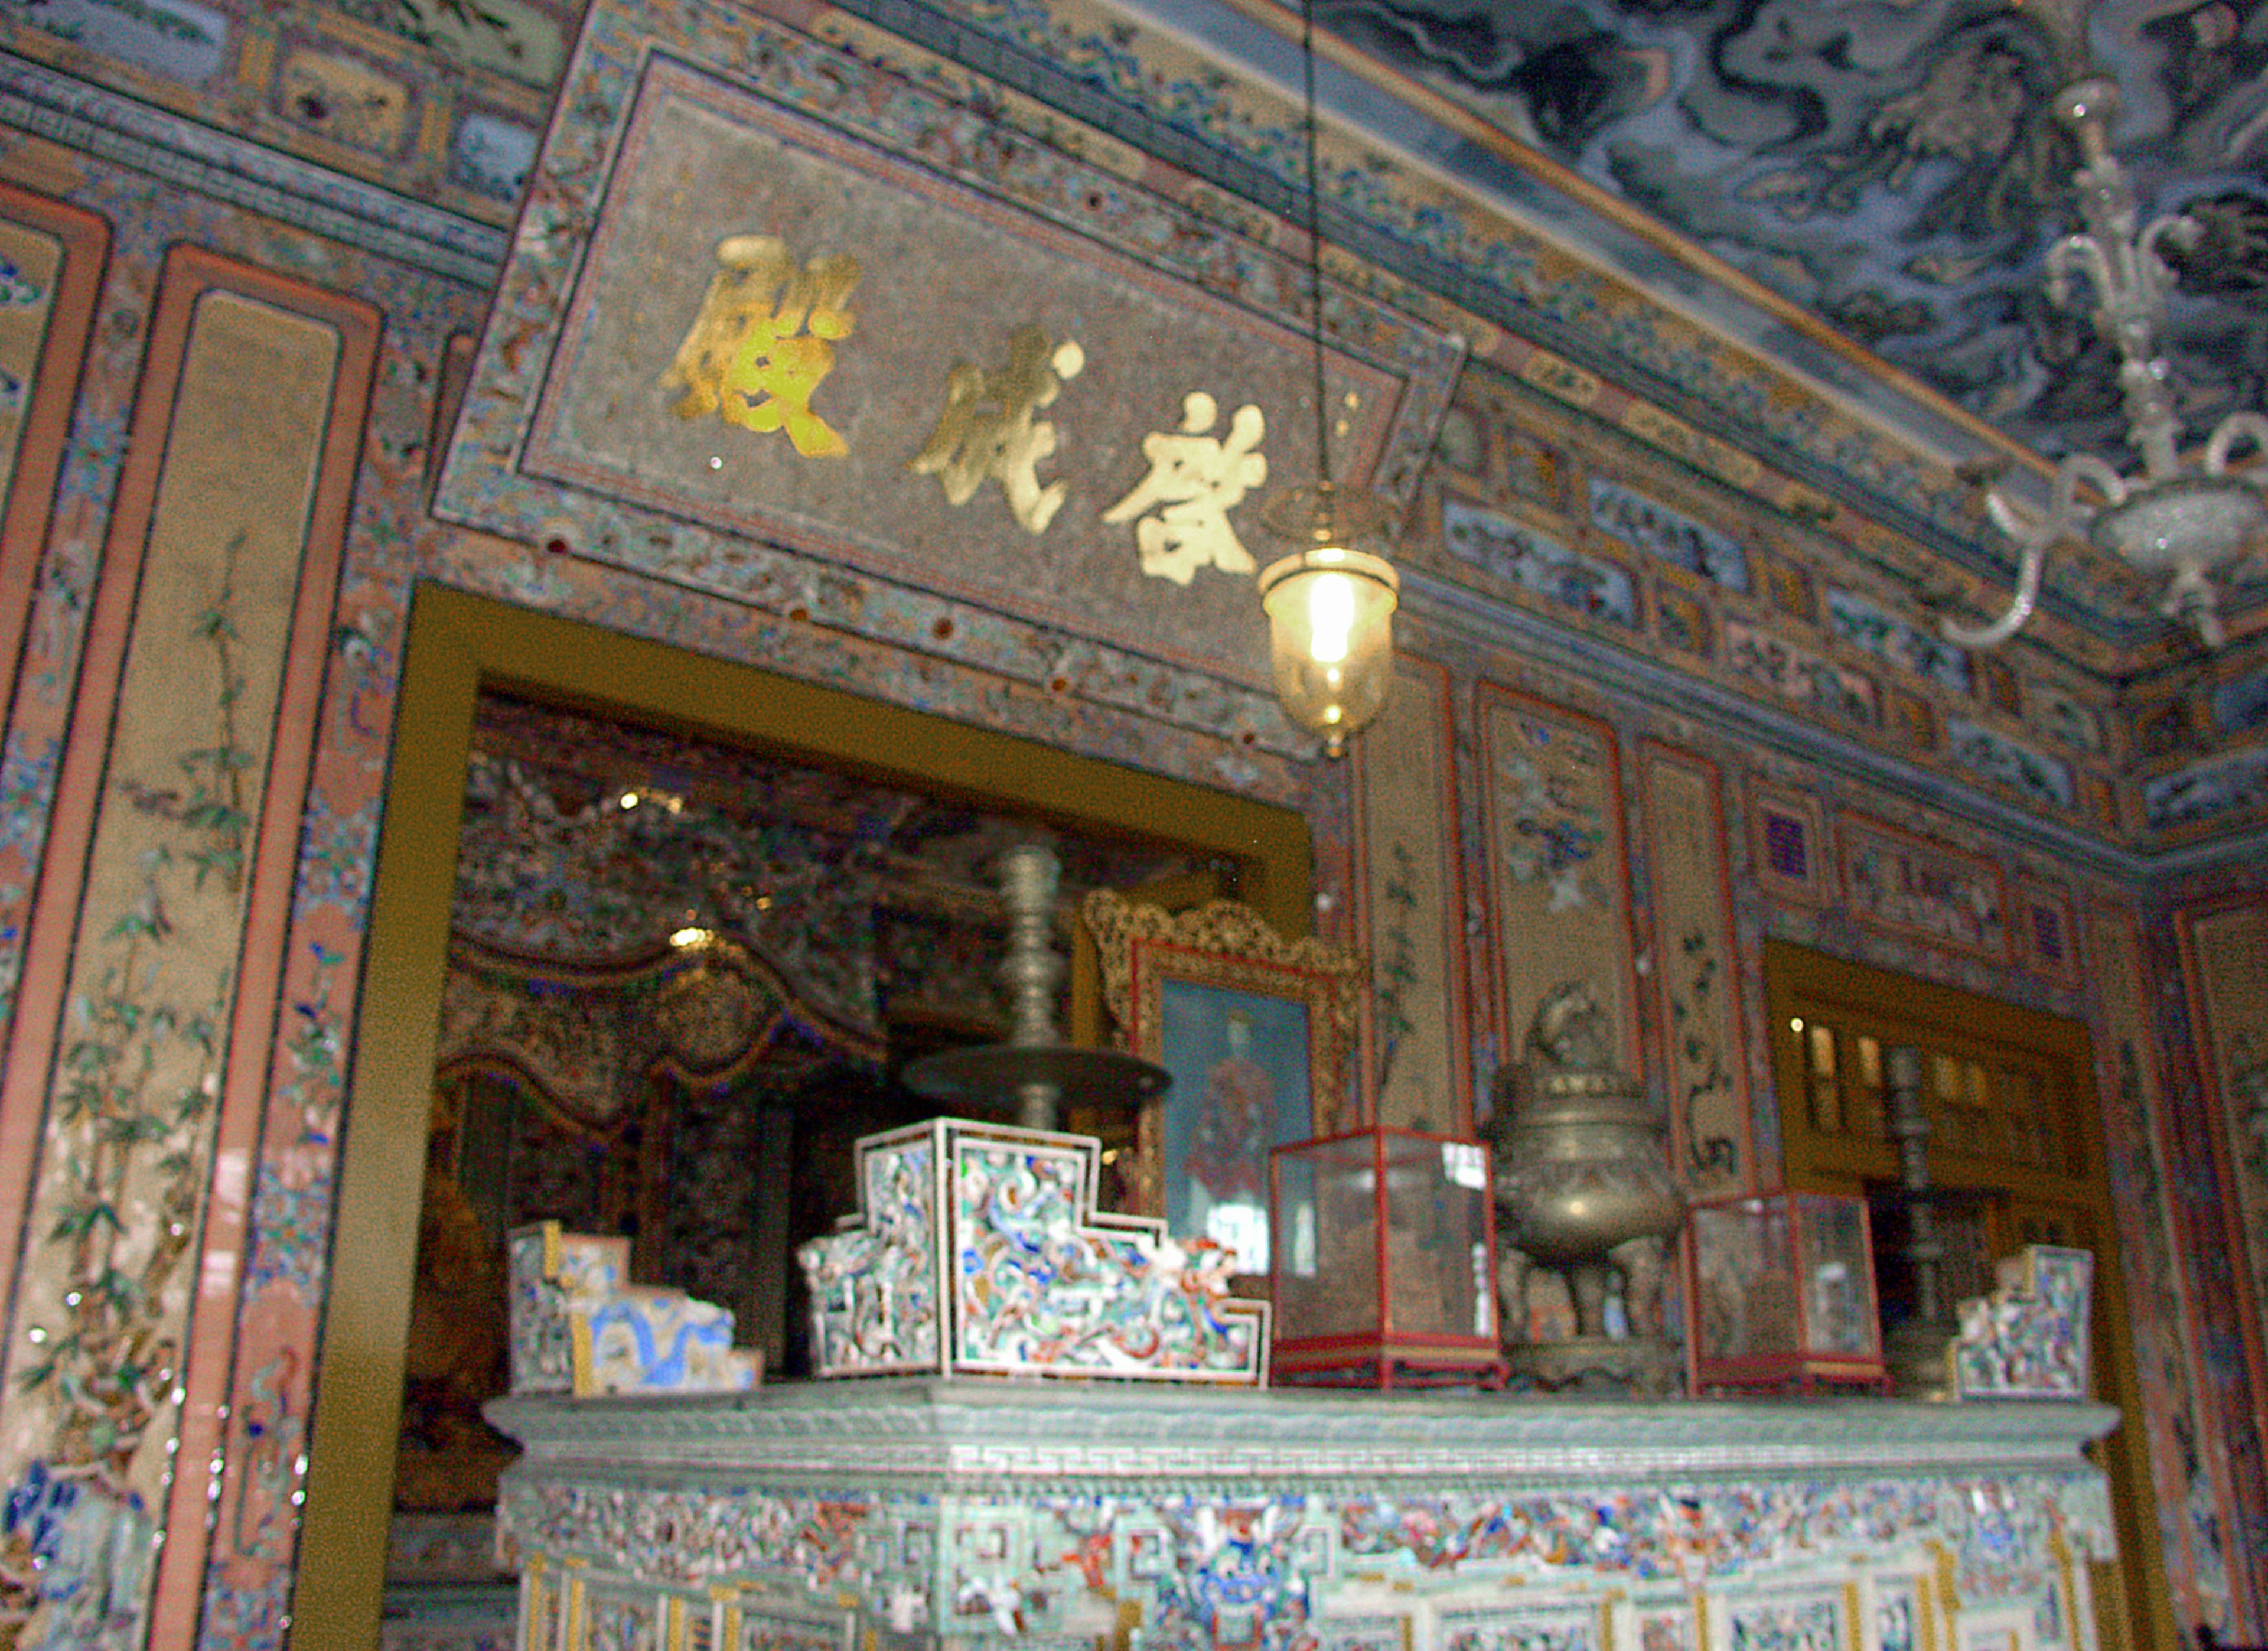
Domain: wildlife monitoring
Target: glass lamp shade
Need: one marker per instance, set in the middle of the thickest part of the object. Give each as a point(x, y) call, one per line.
point(1330, 618)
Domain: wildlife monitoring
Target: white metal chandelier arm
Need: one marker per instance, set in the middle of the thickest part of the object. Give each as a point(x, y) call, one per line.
point(2034, 536)
point(2168, 520)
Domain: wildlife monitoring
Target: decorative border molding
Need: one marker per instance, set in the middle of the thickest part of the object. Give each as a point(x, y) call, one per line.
point(1757, 724)
point(983, 1433)
point(190, 156)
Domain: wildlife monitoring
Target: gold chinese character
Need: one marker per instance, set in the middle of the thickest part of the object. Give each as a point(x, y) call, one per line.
point(763, 340)
point(1194, 480)
point(988, 428)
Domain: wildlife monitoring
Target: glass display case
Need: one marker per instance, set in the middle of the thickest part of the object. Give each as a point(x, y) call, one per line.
point(1384, 1264)
point(1783, 1294)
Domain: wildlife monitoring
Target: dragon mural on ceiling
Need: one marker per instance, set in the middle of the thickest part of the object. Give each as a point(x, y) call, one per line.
point(1896, 167)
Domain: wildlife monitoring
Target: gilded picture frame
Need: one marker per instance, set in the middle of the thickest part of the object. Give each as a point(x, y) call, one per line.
point(1256, 1031)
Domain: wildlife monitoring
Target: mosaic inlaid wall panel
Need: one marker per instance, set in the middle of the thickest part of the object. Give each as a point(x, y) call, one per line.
point(149, 985)
point(1697, 972)
point(55, 253)
point(1909, 885)
point(1414, 909)
point(1558, 871)
point(2224, 951)
point(2185, 1462)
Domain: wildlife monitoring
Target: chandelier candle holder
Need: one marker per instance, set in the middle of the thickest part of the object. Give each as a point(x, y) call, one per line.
point(2171, 520)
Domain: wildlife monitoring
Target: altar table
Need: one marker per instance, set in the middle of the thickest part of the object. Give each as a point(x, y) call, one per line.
point(919, 1512)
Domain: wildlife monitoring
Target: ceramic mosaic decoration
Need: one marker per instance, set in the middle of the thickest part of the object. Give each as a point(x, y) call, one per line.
point(925, 1514)
point(978, 1248)
point(579, 1326)
point(2028, 1339)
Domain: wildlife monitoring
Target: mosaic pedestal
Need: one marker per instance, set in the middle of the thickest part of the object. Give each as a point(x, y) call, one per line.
point(924, 1512)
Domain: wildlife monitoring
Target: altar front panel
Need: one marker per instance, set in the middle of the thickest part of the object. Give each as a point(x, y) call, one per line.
point(923, 1512)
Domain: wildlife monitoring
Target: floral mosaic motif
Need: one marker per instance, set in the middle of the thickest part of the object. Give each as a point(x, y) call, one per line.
point(1670, 1631)
point(1038, 1288)
point(621, 1622)
point(1396, 970)
point(76, 1560)
point(1894, 1621)
point(2236, 783)
point(18, 290)
point(1648, 524)
point(1519, 555)
point(1524, 1631)
point(1232, 1569)
point(273, 1433)
point(291, 1193)
point(875, 1301)
point(1684, 623)
point(27, 781)
point(2038, 779)
point(345, 100)
point(491, 156)
point(2028, 1339)
point(2004, 1532)
point(817, 1543)
point(2065, 718)
point(1551, 836)
point(1835, 693)
point(503, 37)
point(1866, 623)
point(1704, 1080)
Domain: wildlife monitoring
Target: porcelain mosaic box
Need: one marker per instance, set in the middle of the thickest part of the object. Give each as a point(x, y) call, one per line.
point(2028, 1339)
point(978, 1249)
point(579, 1326)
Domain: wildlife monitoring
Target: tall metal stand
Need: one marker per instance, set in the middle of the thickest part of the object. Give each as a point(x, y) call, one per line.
point(1916, 1351)
point(1033, 1070)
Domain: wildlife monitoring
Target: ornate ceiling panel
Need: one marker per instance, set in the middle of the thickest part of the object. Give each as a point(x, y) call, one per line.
point(1895, 169)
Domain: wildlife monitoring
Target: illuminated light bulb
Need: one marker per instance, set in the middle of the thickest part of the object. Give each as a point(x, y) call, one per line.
point(1330, 618)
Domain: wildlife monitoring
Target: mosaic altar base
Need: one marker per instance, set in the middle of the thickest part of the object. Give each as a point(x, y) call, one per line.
point(922, 1511)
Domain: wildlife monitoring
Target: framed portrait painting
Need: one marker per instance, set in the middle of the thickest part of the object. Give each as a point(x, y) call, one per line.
point(1255, 1031)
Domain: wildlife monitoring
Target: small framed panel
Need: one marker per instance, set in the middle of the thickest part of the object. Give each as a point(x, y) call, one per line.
point(1789, 854)
point(1818, 1616)
point(2046, 934)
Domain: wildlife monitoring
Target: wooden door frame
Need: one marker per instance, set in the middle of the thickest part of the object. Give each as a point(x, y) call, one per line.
point(459, 644)
point(1966, 1016)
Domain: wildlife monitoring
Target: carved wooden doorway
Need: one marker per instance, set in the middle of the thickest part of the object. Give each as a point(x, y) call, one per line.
point(2015, 1148)
point(462, 648)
